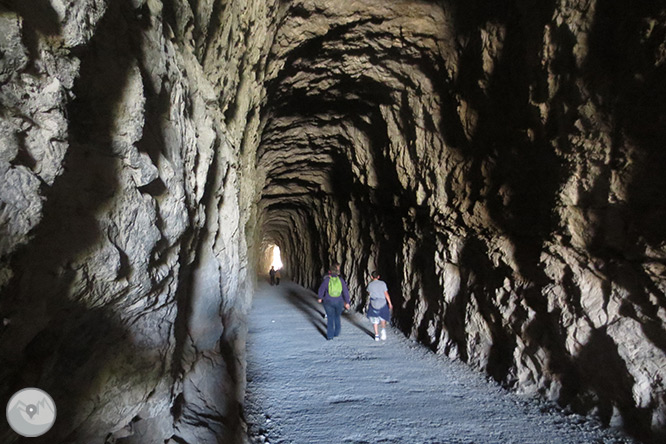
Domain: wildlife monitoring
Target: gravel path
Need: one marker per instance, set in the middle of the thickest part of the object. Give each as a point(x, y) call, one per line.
point(303, 389)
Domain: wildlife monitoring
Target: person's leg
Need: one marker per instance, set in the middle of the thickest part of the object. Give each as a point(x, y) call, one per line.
point(373, 317)
point(338, 313)
point(330, 319)
point(384, 315)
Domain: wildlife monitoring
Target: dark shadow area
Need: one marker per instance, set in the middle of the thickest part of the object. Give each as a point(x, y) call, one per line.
point(390, 235)
point(38, 15)
point(638, 305)
point(424, 265)
point(39, 18)
point(207, 38)
point(526, 173)
point(186, 281)
point(625, 76)
point(361, 299)
point(623, 72)
point(58, 340)
point(303, 103)
point(227, 427)
point(384, 220)
point(310, 310)
point(455, 315)
point(515, 170)
point(67, 359)
point(352, 318)
point(388, 182)
point(342, 182)
point(482, 278)
point(301, 57)
point(600, 369)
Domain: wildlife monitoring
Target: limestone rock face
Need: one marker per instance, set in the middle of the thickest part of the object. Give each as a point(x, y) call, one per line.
point(123, 258)
point(501, 166)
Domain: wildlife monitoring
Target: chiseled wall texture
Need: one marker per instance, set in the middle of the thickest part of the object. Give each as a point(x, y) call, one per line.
point(123, 249)
point(500, 163)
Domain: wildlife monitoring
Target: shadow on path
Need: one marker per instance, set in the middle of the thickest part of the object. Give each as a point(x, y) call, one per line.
point(309, 309)
point(307, 303)
point(353, 319)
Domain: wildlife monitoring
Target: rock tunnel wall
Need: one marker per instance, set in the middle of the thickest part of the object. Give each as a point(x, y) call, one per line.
point(500, 164)
point(123, 249)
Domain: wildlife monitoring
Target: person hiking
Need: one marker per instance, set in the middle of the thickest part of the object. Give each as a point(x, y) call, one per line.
point(334, 294)
point(277, 277)
point(379, 305)
point(271, 273)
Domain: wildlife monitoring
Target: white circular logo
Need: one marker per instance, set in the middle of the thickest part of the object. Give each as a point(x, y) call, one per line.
point(31, 412)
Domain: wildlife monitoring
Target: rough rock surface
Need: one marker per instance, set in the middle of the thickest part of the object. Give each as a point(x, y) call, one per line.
point(123, 256)
point(501, 164)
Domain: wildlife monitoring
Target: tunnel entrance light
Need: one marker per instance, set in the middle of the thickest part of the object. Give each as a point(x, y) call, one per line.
point(277, 260)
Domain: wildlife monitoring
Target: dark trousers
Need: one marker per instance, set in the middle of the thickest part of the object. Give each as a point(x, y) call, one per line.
point(333, 312)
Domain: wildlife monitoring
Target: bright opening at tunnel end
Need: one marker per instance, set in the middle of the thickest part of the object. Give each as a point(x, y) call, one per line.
point(277, 261)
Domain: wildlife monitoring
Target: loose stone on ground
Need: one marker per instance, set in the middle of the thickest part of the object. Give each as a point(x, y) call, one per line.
point(304, 389)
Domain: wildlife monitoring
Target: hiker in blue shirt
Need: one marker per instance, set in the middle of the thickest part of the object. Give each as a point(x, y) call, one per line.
point(334, 294)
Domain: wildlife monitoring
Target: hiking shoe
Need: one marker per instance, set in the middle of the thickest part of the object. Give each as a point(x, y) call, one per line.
point(376, 337)
point(383, 335)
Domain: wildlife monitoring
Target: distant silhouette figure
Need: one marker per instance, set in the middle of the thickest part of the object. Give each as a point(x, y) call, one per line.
point(271, 273)
point(277, 277)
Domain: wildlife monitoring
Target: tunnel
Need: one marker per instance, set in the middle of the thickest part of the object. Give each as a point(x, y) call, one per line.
point(500, 162)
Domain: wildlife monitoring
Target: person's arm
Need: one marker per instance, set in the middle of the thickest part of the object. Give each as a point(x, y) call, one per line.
point(388, 299)
point(322, 290)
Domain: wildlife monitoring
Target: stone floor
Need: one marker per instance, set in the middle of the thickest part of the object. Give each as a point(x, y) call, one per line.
point(303, 389)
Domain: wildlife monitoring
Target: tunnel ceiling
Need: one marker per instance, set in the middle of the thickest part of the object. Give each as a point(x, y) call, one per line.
point(351, 91)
